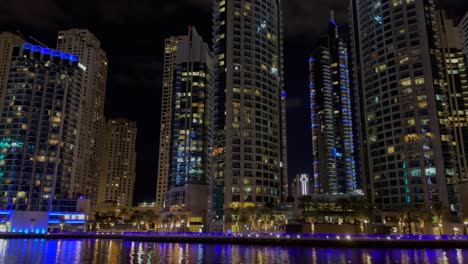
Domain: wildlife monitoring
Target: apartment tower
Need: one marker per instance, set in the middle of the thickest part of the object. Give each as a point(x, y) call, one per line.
point(7, 42)
point(93, 61)
point(250, 141)
point(331, 116)
point(463, 30)
point(401, 86)
point(117, 174)
point(38, 130)
point(192, 131)
point(170, 54)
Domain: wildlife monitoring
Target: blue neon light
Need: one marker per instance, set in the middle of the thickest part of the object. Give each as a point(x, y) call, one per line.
point(47, 51)
point(333, 22)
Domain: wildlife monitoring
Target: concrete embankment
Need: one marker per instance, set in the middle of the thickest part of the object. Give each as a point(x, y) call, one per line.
point(265, 239)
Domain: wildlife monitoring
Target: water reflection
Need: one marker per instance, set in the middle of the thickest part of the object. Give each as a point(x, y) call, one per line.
point(116, 251)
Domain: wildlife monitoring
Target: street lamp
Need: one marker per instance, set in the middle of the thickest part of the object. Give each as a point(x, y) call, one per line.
point(365, 226)
point(466, 227)
point(142, 225)
point(182, 225)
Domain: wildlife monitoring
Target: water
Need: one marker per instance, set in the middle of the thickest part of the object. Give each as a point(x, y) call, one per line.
point(116, 251)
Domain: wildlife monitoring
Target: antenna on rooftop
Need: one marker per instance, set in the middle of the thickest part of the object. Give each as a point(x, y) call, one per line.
point(42, 44)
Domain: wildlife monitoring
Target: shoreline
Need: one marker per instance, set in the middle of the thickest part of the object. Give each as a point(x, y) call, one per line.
point(341, 241)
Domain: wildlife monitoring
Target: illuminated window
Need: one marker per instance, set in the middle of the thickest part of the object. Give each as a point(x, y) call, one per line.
point(415, 172)
point(411, 138)
point(391, 150)
point(405, 82)
point(445, 138)
point(430, 171)
point(407, 90)
point(422, 104)
point(396, 3)
point(411, 122)
point(404, 60)
point(419, 81)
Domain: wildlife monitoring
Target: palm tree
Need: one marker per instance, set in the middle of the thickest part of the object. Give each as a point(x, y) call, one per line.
point(440, 212)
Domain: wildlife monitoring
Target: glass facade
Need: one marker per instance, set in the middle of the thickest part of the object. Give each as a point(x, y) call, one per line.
point(331, 116)
point(38, 130)
point(191, 137)
point(192, 124)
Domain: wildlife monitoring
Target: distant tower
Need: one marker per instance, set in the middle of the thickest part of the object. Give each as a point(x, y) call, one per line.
point(93, 60)
point(303, 185)
point(38, 130)
point(170, 55)
point(463, 30)
point(192, 128)
point(7, 42)
point(117, 175)
point(331, 116)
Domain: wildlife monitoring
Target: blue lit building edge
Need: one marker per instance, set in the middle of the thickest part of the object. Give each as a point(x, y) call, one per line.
point(47, 51)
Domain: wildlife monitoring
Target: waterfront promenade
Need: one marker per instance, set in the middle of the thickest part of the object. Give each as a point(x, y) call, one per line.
point(277, 239)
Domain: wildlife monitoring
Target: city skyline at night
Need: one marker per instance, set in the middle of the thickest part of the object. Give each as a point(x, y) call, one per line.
point(132, 82)
point(234, 131)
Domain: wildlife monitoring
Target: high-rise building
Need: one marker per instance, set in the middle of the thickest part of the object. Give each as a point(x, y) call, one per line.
point(192, 131)
point(38, 130)
point(117, 174)
point(7, 42)
point(93, 60)
point(401, 86)
point(456, 81)
point(331, 116)
point(250, 144)
point(170, 55)
point(463, 29)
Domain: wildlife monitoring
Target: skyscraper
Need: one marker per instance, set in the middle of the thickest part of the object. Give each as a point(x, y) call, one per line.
point(170, 55)
point(117, 174)
point(456, 81)
point(463, 29)
point(400, 81)
point(7, 42)
point(331, 116)
point(250, 144)
point(94, 63)
point(192, 131)
point(38, 130)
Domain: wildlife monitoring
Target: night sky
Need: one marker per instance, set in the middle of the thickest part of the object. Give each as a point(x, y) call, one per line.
point(132, 33)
